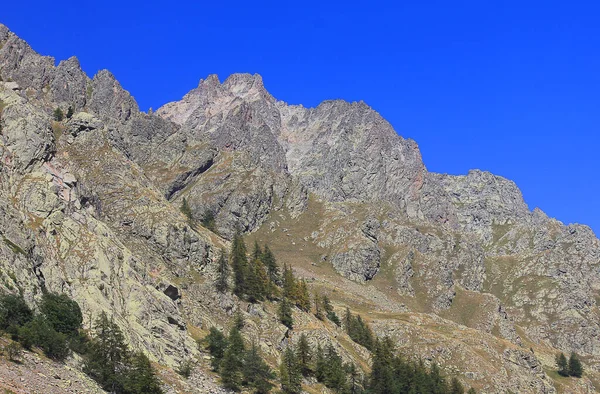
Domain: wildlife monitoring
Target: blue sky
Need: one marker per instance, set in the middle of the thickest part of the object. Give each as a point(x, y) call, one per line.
point(512, 88)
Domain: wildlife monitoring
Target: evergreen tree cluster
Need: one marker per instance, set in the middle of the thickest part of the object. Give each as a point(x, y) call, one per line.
point(571, 367)
point(393, 374)
point(114, 366)
point(358, 330)
point(55, 330)
point(255, 279)
point(325, 365)
point(238, 366)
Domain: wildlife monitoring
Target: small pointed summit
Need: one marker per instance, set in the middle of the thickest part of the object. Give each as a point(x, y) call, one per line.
point(211, 80)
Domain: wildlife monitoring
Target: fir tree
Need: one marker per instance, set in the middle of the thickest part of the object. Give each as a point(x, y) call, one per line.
point(456, 387)
point(354, 375)
point(233, 361)
point(140, 377)
point(328, 309)
point(335, 375)
point(382, 372)
point(257, 252)
point(216, 344)
point(222, 284)
point(256, 372)
point(320, 364)
point(303, 296)
point(70, 112)
point(285, 313)
point(318, 307)
point(238, 320)
point(270, 263)
point(303, 355)
point(289, 283)
point(575, 367)
point(239, 263)
point(107, 355)
point(290, 375)
point(563, 365)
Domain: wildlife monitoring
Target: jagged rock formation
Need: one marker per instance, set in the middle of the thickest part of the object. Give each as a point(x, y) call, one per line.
point(457, 268)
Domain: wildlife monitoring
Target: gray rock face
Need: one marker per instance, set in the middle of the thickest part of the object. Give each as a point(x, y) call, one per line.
point(90, 206)
point(69, 85)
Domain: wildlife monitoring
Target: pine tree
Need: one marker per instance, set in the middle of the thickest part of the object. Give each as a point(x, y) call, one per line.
point(140, 377)
point(318, 307)
point(270, 263)
point(575, 367)
point(107, 355)
point(563, 365)
point(257, 252)
point(289, 373)
point(320, 364)
point(328, 309)
point(382, 372)
point(303, 296)
point(233, 361)
point(303, 355)
point(353, 374)
point(222, 284)
point(456, 387)
point(285, 313)
point(238, 320)
point(70, 112)
point(256, 372)
point(335, 375)
point(239, 263)
point(471, 391)
point(216, 344)
point(289, 284)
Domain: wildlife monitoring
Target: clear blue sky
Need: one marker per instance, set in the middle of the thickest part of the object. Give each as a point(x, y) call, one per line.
point(511, 87)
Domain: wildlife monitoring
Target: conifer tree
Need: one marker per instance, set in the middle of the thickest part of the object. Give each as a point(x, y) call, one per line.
point(257, 252)
point(239, 264)
point(382, 372)
point(107, 355)
point(233, 361)
point(285, 313)
point(471, 391)
point(216, 344)
point(290, 375)
point(335, 375)
point(70, 112)
point(271, 264)
point(289, 283)
point(328, 309)
point(353, 375)
point(238, 320)
point(318, 307)
point(256, 372)
point(563, 365)
point(575, 367)
point(140, 377)
point(222, 284)
point(304, 356)
point(456, 387)
point(58, 114)
point(320, 364)
point(303, 296)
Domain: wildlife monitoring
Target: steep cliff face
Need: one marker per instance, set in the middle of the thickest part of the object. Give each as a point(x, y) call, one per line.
point(456, 268)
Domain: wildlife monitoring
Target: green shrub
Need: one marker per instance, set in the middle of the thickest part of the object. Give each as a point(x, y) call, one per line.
point(13, 351)
point(185, 368)
point(58, 115)
point(14, 312)
point(38, 332)
point(62, 313)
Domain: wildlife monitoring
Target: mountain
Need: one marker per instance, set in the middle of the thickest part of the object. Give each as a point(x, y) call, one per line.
point(456, 269)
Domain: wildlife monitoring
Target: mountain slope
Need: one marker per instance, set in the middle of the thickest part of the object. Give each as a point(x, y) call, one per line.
point(456, 268)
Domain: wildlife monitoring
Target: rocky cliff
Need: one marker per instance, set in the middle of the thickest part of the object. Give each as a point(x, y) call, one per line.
point(456, 268)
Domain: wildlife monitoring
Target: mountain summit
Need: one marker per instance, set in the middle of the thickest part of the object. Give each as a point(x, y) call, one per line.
point(455, 269)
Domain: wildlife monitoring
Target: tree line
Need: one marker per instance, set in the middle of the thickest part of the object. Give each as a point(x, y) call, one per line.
point(256, 278)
